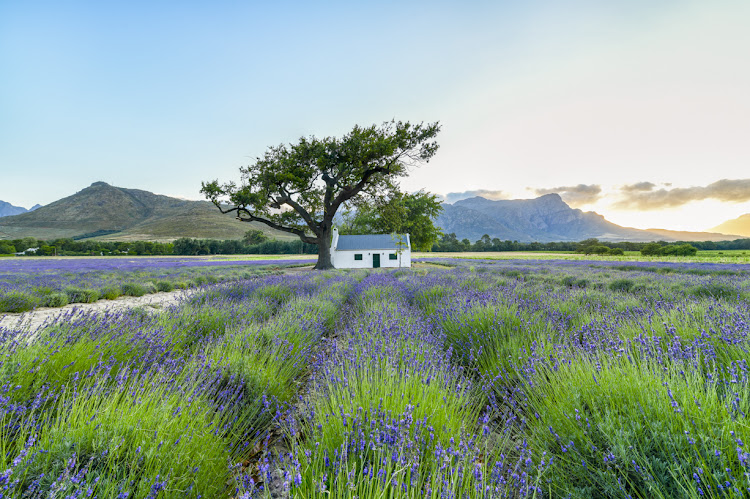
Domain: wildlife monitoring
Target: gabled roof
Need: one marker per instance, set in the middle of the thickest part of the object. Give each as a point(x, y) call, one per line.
point(372, 242)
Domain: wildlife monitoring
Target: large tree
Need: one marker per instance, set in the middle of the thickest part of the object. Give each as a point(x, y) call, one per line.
point(298, 188)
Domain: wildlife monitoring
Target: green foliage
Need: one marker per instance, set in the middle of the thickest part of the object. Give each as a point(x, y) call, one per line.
point(78, 295)
point(56, 300)
point(6, 249)
point(679, 250)
point(134, 289)
point(622, 285)
point(717, 290)
point(17, 301)
point(651, 249)
point(616, 427)
point(128, 438)
point(399, 213)
point(164, 286)
point(110, 292)
point(254, 236)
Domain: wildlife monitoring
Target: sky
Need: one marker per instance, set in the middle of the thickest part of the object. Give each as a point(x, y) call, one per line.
point(638, 110)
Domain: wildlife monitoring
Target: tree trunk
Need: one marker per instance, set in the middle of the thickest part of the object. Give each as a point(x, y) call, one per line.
point(324, 252)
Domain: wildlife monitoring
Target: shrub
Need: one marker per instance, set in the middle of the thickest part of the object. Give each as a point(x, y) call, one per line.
point(568, 281)
point(623, 285)
point(651, 249)
point(615, 252)
point(56, 300)
point(17, 301)
point(78, 295)
point(680, 250)
point(133, 289)
point(110, 292)
point(164, 286)
point(6, 249)
point(718, 290)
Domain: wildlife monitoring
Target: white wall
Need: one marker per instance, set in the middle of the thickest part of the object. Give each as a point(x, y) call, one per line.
point(345, 259)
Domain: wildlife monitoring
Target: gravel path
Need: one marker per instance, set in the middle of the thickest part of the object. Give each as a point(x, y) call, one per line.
point(34, 319)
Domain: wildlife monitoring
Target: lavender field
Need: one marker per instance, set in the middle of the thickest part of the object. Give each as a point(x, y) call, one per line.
point(455, 379)
point(29, 283)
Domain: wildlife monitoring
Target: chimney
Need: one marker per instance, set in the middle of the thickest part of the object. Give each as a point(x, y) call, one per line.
point(335, 241)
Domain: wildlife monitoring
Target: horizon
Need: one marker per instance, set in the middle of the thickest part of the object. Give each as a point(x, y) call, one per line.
point(637, 111)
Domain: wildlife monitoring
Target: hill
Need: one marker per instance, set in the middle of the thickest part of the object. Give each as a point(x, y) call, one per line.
point(8, 210)
point(545, 219)
point(111, 213)
point(739, 225)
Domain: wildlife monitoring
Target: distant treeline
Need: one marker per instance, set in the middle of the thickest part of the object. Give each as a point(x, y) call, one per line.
point(447, 243)
point(450, 243)
point(70, 247)
point(184, 246)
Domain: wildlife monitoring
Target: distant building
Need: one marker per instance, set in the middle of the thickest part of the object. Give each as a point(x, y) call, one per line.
point(30, 251)
point(370, 251)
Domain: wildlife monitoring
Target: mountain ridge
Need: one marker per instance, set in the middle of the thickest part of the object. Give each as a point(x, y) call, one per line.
point(546, 219)
point(739, 225)
point(8, 210)
point(120, 213)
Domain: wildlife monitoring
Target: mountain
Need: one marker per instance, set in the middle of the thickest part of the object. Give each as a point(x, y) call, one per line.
point(118, 214)
point(544, 219)
point(8, 210)
point(739, 225)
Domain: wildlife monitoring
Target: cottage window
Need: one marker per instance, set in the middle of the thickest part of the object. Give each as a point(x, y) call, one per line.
point(392, 256)
point(357, 256)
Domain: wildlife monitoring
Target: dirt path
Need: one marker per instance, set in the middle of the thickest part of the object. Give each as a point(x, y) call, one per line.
point(34, 319)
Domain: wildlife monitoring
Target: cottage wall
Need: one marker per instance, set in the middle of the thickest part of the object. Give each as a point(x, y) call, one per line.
point(359, 251)
point(346, 259)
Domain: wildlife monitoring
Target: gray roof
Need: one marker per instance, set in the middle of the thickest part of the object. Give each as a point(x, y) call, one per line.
point(371, 242)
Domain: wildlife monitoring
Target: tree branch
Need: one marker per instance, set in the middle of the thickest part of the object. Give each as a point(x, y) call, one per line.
point(351, 191)
point(253, 218)
point(287, 199)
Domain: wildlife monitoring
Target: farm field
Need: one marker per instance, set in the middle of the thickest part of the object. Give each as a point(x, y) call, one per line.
point(458, 378)
point(28, 282)
point(707, 256)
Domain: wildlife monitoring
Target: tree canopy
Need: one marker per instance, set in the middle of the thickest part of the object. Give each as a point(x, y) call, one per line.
point(298, 188)
point(399, 213)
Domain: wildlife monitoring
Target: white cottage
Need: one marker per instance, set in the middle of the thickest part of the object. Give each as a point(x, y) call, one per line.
point(370, 251)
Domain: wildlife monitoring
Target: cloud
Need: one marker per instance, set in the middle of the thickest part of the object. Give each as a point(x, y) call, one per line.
point(452, 197)
point(639, 187)
point(649, 199)
point(575, 195)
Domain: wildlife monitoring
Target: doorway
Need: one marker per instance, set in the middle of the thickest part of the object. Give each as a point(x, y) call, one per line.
point(376, 260)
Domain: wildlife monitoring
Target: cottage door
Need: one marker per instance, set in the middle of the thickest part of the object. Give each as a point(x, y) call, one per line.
point(376, 260)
